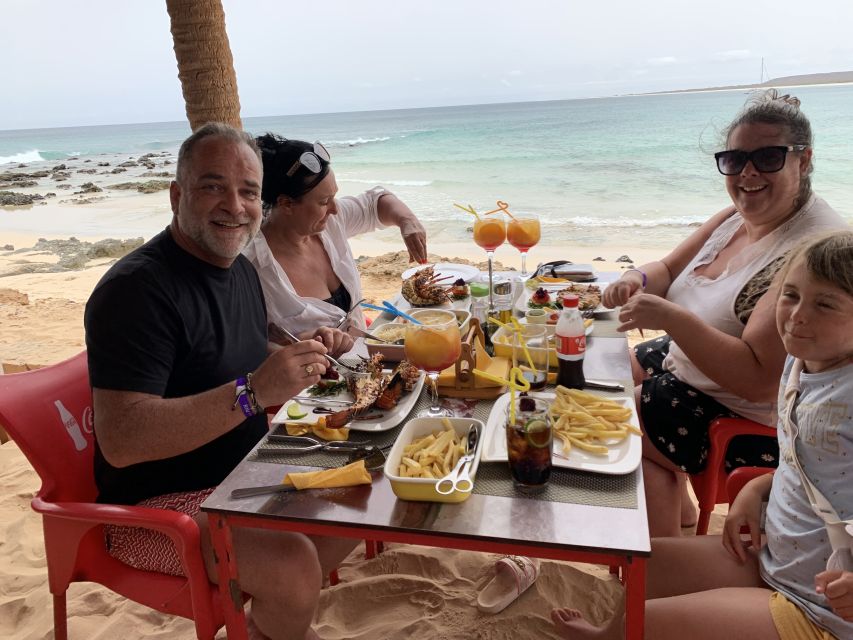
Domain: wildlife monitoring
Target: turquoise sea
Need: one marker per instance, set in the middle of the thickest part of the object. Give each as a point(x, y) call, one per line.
point(639, 166)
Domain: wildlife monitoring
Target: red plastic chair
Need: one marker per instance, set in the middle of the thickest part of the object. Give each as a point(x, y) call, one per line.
point(739, 478)
point(710, 484)
point(48, 413)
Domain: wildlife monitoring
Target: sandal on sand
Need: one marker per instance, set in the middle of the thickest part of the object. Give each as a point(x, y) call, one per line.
point(513, 576)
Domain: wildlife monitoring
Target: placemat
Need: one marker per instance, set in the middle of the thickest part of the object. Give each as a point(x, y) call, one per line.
point(606, 327)
point(493, 478)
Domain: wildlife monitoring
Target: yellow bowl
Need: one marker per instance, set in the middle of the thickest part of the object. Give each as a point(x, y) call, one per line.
point(503, 346)
point(423, 489)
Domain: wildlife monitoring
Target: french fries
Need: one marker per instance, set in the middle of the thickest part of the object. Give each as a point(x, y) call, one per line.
point(589, 422)
point(432, 456)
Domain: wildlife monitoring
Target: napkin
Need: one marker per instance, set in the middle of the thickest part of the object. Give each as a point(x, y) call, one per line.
point(496, 365)
point(348, 476)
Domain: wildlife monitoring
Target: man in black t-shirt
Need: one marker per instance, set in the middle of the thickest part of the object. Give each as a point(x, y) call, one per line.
point(177, 340)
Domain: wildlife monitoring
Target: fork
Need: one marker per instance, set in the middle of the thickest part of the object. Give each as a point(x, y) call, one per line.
point(348, 313)
point(367, 334)
point(292, 337)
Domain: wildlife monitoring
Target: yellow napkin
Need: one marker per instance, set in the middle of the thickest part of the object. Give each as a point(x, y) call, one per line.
point(497, 365)
point(319, 429)
point(348, 476)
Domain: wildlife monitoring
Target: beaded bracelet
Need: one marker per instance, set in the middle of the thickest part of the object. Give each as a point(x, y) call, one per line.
point(642, 273)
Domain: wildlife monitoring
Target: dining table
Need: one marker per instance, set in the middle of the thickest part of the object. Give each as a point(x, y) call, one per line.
point(584, 516)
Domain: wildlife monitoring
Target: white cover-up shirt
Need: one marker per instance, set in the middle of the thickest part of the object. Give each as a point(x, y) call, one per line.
point(713, 300)
point(797, 543)
point(356, 214)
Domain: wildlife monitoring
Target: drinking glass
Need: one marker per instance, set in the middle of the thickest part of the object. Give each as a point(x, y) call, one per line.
point(490, 233)
point(528, 444)
point(522, 233)
point(433, 346)
point(536, 338)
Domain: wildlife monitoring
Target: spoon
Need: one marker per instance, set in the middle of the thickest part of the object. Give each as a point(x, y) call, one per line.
point(349, 313)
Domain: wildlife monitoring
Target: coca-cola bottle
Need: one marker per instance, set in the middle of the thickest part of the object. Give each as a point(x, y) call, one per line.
point(570, 336)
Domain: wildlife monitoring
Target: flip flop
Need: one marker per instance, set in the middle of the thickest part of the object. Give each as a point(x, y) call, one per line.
point(513, 576)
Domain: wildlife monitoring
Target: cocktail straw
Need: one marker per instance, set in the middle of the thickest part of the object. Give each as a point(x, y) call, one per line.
point(515, 382)
point(468, 209)
point(519, 330)
point(503, 207)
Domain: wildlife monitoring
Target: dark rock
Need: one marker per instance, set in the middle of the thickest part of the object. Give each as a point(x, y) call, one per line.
point(18, 184)
point(87, 170)
point(59, 167)
point(8, 247)
point(50, 194)
point(13, 199)
point(624, 259)
point(158, 174)
point(89, 187)
point(118, 170)
point(128, 163)
point(22, 166)
point(152, 186)
point(87, 160)
point(63, 186)
point(167, 162)
point(598, 259)
point(103, 164)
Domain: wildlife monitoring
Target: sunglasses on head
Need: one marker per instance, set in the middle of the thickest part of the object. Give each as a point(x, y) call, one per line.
point(765, 159)
point(311, 160)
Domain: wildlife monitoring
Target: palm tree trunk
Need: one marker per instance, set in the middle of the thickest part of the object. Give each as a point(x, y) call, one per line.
point(205, 65)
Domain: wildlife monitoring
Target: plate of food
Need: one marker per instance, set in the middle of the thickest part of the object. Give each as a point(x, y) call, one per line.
point(614, 445)
point(551, 297)
point(377, 399)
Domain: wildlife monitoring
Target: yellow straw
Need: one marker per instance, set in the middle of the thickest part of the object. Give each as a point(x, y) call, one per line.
point(515, 382)
point(503, 207)
point(520, 332)
point(468, 209)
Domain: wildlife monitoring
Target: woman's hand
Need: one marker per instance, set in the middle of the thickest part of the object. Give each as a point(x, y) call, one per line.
point(837, 587)
point(620, 291)
point(287, 371)
point(745, 511)
point(414, 235)
point(336, 341)
point(647, 311)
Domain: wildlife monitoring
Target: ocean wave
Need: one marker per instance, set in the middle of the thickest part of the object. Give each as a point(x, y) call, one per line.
point(24, 156)
point(586, 221)
point(392, 183)
point(356, 141)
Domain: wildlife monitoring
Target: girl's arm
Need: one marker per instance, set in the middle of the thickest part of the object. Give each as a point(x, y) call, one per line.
point(746, 511)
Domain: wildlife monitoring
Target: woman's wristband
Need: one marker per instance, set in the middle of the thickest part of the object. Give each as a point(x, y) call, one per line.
point(642, 273)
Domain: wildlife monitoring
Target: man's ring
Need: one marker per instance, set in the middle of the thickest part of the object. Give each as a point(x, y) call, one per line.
point(309, 369)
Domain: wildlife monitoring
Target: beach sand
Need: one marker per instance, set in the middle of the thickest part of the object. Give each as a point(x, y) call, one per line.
point(406, 592)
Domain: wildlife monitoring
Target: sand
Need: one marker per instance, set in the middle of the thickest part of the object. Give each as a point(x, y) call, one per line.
point(406, 592)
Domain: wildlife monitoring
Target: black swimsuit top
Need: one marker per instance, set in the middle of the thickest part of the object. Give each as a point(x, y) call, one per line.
point(340, 298)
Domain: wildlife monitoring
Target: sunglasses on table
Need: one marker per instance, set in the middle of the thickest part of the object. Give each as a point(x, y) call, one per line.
point(765, 159)
point(311, 160)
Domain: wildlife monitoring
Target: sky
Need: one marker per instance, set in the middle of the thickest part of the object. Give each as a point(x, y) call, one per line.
point(111, 61)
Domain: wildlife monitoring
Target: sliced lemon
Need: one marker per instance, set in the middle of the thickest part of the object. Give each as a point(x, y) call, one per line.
point(295, 411)
point(537, 433)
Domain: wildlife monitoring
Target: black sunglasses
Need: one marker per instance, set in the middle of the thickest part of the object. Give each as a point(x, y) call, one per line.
point(765, 159)
point(311, 160)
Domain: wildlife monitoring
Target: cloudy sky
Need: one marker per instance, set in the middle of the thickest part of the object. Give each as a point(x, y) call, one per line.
point(111, 61)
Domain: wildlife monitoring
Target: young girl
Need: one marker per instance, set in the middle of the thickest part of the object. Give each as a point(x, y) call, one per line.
point(700, 589)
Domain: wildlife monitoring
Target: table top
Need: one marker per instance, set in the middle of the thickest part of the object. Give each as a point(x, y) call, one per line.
point(537, 523)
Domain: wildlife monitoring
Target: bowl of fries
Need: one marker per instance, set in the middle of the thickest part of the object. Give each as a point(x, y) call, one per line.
point(425, 451)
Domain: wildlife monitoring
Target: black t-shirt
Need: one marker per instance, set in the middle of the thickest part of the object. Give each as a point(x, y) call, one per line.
point(163, 322)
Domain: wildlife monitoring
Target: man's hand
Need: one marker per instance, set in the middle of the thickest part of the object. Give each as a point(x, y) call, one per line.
point(837, 587)
point(287, 371)
point(337, 342)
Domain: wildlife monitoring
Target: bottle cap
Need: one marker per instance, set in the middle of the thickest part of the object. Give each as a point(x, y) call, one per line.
point(479, 289)
point(570, 300)
point(503, 288)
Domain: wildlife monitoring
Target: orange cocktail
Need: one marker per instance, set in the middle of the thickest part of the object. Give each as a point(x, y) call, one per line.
point(433, 347)
point(523, 233)
point(489, 233)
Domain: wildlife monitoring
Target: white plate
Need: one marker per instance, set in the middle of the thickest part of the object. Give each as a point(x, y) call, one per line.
point(521, 303)
point(390, 419)
point(464, 271)
point(621, 458)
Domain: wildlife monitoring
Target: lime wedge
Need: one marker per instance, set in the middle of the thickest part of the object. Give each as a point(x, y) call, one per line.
point(537, 433)
point(295, 411)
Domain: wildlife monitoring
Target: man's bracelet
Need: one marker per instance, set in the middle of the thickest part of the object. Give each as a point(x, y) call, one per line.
point(245, 397)
point(642, 273)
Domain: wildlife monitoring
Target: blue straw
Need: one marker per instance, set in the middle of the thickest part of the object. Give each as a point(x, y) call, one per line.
point(392, 310)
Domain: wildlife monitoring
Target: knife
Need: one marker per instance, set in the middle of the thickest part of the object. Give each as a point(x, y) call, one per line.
point(248, 492)
point(603, 386)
